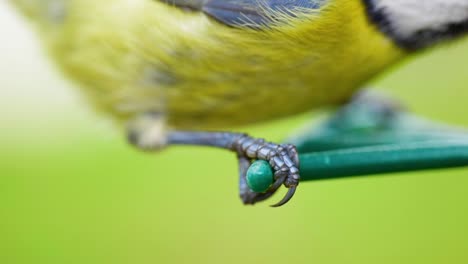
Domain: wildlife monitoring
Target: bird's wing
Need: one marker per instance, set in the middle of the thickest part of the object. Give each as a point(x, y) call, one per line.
point(249, 13)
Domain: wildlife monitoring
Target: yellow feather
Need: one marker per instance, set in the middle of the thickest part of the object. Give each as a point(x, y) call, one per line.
point(135, 56)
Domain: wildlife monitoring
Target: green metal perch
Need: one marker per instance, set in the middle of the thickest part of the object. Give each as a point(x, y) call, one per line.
point(383, 159)
point(371, 139)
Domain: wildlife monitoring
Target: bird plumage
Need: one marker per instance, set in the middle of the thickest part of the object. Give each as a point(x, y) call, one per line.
point(142, 56)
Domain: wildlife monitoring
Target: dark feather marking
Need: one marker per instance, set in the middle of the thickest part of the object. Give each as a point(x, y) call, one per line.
point(420, 39)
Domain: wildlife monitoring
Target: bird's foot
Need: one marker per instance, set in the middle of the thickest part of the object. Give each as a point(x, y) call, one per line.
point(283, 159)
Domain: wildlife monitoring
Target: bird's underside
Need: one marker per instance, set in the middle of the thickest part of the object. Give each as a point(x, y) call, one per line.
point(289, 70)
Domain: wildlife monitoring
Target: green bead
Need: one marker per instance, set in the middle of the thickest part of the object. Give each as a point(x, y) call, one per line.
point(259, 176)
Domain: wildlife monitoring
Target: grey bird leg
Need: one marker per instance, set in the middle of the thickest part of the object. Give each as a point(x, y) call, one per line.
point(283, 159)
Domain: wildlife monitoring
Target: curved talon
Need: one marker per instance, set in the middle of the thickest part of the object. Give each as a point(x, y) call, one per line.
point(287, 197)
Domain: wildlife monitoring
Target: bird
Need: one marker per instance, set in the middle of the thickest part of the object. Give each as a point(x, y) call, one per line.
point(186, 71)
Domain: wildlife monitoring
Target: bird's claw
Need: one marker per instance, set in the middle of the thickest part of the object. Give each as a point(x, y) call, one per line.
point(283, 159)
point(287, 197)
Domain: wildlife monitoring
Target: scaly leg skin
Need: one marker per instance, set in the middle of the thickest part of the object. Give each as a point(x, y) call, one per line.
point(147, 132)
point(283, 159)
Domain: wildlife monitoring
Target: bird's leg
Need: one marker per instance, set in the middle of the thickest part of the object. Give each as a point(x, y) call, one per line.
point(148, 132)
point(282, 158)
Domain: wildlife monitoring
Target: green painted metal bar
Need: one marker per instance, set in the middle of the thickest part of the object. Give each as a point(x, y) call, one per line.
point(373, 137)
point(383, 159)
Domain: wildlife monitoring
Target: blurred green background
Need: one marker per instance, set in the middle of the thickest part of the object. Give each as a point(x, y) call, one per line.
point(73, 191)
